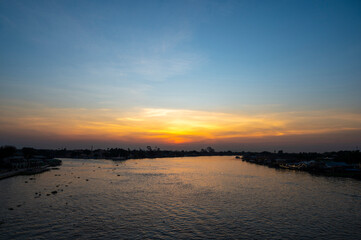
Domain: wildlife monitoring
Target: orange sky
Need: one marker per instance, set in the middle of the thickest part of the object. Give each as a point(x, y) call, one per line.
point(181, 74)
point(171, 126)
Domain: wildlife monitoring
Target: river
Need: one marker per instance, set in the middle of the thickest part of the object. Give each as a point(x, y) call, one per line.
point(178, 198)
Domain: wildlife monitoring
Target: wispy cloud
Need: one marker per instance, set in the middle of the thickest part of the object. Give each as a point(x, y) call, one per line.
point(163, 68)
point(171, 40)
point(172, 125)
point(164, 57)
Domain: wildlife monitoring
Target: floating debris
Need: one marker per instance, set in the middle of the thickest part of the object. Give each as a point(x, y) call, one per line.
point(54, 192)
point(11, 209)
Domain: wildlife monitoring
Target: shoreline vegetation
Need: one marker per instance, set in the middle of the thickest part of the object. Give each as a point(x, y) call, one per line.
point(28, 161)
point(334, 164)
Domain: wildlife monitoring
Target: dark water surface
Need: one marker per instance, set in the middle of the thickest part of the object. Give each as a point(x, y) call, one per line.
point(178, 198)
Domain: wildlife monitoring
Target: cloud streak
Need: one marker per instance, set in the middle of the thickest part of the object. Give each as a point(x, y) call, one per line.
point(172, 126)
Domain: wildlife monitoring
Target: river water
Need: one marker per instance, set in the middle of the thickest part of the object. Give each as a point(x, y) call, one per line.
point(178, 198)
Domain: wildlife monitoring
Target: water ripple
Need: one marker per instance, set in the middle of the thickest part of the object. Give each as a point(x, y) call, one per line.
point(183, 198)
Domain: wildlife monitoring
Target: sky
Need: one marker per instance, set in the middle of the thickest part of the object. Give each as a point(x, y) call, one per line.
point(234, 75)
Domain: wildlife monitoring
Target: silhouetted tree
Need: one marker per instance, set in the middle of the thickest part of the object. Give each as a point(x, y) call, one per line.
point(7, 151)
point(87, 152)
point(28, 152)
point(210, 150)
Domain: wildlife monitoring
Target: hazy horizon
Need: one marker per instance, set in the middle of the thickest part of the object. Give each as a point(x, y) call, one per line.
point(234, 75)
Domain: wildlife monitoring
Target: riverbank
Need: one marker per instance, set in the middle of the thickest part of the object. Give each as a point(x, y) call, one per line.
point(21, 166)
point(24, 171)
point(325, 167)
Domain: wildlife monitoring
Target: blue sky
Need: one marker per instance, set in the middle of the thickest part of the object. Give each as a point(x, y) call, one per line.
point(234, 57)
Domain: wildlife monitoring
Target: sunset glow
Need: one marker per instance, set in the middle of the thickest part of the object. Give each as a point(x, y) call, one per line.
point(174, 126)
point(181, 74)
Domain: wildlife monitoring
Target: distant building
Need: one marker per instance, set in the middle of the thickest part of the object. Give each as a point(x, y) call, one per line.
point(16, 162)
